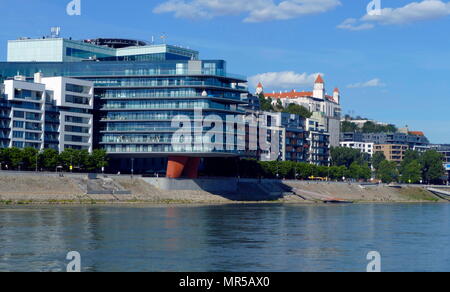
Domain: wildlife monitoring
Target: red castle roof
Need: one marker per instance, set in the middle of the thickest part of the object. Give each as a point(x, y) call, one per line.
point(319, 79)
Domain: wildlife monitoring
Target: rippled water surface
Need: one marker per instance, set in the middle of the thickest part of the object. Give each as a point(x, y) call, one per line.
point(226, 238)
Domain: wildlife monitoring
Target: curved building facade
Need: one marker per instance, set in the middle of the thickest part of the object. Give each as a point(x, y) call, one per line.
point(153, 105)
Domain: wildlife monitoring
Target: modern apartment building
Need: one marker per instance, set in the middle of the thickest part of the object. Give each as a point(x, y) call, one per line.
point(318, 141)
point(139, 90)
point(414, 140)
point(363, 147)
point(294, 137)
point(392, 152)
point(53, 112)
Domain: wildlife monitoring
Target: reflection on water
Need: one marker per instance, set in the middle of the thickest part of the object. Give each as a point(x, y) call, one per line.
point(226, 238)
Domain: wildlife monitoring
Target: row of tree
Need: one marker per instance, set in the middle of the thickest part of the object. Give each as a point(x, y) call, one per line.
point(346, 163)
point(50, 159)
point(368, 127)
point(416, 167)
point(267, 105)
point(249, 168)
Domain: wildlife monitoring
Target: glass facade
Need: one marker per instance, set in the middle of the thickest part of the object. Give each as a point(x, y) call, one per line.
point(138, 93)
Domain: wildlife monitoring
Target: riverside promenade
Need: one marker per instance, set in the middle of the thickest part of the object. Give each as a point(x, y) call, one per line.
point(73, 188)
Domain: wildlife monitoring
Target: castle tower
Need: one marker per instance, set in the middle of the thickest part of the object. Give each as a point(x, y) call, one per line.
point(319, 88)
point(259, 89)
point(337, 95)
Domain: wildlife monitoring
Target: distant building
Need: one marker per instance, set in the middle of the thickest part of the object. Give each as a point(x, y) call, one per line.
point(315, 101)
point(363, 147)
point(444, 149)
point(414, 140)
point(392, 152)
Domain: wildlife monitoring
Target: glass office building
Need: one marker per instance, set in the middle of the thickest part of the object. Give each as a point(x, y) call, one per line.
point(138, 91)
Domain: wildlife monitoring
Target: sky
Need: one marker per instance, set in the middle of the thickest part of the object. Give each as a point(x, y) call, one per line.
point(391, 62)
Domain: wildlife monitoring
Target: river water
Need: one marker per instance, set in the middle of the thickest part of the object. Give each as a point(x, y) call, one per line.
point(240, 238)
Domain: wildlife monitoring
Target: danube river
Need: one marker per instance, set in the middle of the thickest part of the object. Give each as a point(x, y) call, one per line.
point(239, 238)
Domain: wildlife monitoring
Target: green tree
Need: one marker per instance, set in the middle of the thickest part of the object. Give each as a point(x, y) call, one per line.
point(13, 157)
point(49, 159)
point(279, 106)
point(371, 127)
point(359, 172)
point(388, 172)
point(377, 158)
point(349, 127)
point(265, 103)
point(298, 110)
point(432, 166)
point(409, 157)
point(30, 157)
point(338, 172)
point(97, 160)
point(343, 156)
point(412, 172)
point(4, 157)
point(75, 158)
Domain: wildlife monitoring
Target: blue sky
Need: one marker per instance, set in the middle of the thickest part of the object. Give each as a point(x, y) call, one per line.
point(393, 67)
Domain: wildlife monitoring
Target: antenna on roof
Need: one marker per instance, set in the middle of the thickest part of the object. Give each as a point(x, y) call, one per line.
point(164, 38)
point(55, 32)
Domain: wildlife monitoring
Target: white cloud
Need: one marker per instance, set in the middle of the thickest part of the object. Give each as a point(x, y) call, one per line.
point(255, 10)
point(371, 83)
point(283, 80)
point(410, 13)
point(353, 24)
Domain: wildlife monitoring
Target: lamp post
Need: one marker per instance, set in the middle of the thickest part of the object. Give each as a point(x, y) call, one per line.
point(132, 168)
point(37, 156)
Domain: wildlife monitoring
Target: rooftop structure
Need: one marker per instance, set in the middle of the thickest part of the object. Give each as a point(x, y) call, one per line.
point(67, 50)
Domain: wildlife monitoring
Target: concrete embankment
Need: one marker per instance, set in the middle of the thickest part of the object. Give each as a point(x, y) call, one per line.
point(29, 188)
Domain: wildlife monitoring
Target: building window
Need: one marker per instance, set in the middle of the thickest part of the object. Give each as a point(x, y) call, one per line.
point(18, 124)
point(77, 99)
point(77, 88)
point(18, 134)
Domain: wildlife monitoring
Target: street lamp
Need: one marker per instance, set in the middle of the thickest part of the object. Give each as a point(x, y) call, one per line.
point(132, 167)
point(37, 153)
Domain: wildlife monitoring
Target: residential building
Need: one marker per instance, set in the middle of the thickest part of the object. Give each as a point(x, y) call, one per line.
point(318, 141)
point(392, 152)
point(25, 105)
point(363, 147)
point(287, 137)
point(316, 101)
point(53, 112)
point(139, 90)
point(414, 140)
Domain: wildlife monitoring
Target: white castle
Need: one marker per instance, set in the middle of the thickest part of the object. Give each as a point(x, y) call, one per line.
point(317, 101)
